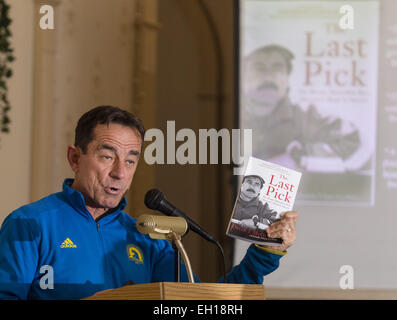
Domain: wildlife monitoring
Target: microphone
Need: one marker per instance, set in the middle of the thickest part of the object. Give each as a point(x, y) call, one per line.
point(159, 226)
point(155, 200)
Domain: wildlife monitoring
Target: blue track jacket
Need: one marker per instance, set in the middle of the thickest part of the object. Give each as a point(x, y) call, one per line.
point(57, 238)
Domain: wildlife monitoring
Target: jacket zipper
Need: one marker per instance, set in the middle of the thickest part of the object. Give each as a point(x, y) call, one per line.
point(106, 262)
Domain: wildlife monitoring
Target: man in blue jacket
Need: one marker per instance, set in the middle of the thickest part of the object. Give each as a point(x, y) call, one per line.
point(72, 244)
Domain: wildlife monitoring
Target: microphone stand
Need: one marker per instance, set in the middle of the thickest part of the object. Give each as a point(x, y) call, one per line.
point(177, 263)
point(177, 240)
point(146, 224)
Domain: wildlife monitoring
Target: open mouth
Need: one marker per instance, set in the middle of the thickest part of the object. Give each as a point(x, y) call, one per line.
point(112, 190)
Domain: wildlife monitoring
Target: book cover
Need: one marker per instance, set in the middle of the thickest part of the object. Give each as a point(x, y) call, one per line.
point(267, 191)
point(309, 93)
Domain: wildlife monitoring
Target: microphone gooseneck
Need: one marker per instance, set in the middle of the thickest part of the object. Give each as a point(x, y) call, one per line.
point(155, 200)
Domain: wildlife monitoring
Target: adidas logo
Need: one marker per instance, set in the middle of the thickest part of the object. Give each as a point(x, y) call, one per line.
point(68, 244)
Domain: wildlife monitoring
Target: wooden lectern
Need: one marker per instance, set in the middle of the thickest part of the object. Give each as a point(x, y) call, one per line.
point(183, 291)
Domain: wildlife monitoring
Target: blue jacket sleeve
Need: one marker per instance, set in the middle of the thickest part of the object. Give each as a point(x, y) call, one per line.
point(18, 256)
point(256, 264)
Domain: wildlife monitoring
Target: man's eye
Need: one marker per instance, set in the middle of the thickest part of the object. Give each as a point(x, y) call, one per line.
point(107, 157)
point(130, 162)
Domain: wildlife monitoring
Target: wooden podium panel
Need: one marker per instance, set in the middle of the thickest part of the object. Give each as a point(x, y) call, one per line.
point(183, 291)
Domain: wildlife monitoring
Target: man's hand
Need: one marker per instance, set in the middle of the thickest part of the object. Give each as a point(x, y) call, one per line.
point(285, 229)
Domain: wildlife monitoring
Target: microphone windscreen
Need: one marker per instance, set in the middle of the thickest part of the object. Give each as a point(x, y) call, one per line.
point(149, 224)
point(153, 198)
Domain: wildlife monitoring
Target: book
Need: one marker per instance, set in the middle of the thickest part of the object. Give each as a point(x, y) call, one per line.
point(267, 190)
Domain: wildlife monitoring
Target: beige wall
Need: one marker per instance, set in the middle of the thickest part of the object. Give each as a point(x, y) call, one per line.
point(97, 55)
point(15, 147)
point(189, 70)
point(100, 53)
point(86, 61)
point(105, 52)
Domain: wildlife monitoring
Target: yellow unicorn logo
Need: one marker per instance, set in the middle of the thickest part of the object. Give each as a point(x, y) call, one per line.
point(134, 254)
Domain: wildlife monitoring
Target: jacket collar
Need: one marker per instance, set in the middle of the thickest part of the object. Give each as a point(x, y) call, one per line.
point(76, 199)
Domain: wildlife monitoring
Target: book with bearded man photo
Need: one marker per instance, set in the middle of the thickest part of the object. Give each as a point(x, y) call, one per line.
point(267, 190)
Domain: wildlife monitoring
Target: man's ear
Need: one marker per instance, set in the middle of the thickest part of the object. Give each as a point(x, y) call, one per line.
point(74, 154)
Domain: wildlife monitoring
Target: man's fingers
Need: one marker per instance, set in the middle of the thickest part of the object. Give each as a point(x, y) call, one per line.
point(280, 225)
point(285, 227)
point(290, 215)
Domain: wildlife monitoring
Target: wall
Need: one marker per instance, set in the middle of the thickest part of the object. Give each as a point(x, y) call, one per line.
point(15, 147)
point(90, 60)
point(100, 52)
point(195, 89)
point(85, 62)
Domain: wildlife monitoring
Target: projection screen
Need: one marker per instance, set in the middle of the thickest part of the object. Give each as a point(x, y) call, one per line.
point(318, 87)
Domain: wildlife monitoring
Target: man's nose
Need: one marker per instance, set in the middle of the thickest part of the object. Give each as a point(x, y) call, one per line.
point(118, 170)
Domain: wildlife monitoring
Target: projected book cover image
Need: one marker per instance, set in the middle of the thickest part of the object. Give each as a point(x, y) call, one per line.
point(267, 191)
point(309, 94)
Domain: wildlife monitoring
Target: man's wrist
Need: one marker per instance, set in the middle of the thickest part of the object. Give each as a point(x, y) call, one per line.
point(272, 249)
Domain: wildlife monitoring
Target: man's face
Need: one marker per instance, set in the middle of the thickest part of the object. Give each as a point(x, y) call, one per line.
point(265, 82)
point(250, 188)
point(104, 174)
